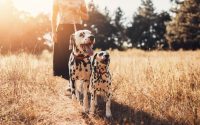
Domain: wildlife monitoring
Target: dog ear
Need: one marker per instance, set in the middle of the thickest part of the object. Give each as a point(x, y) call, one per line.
point(94, 58)
point(71, 42)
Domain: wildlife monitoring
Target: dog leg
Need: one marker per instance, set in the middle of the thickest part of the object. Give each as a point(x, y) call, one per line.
point(92, 102)
point(77, 96)
point(85, 97)
point(69, 88)
point(78, 90)
point(72, 85)
point(96, 100)
point(108, 103)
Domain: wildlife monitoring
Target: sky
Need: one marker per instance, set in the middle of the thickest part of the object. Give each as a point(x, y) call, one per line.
point(128, 6)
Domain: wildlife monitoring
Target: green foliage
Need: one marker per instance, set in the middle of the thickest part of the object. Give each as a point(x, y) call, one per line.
point(108, 31)
point(147, 31)
point(20, 31)
point(148, 28)
point(184, 30)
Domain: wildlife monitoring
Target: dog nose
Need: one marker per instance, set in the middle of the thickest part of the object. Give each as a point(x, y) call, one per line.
point(92, 38)
point(107, 56)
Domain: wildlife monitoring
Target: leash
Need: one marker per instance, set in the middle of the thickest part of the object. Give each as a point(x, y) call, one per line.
point(75, 28)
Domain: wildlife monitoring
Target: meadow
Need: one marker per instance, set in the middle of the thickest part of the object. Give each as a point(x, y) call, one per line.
point(149, 88)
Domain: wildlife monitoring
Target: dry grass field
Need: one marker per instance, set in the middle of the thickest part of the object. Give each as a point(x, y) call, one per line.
point(149, 88)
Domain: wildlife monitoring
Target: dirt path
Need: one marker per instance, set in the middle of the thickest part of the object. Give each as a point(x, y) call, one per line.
point(73, 114)
point(122, 114)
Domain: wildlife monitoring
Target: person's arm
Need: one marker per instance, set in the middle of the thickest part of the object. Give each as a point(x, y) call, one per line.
point(84, 12)
point(54, 20)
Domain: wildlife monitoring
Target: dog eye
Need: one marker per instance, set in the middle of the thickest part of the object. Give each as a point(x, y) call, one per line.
point(82, 35)
point(101, 54)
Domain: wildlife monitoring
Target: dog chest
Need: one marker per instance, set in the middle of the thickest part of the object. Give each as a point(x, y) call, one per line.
point(101, 82)
point(80, 69)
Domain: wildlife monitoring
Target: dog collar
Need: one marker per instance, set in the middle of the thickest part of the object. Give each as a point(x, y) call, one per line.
point(80, 56)
point(102, 72)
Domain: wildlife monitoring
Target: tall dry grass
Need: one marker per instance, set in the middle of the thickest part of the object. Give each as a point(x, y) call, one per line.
point(161, 87)
point(148, 88)
point(28, 92)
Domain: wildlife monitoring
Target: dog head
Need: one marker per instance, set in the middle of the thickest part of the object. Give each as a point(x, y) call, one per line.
point(101, 58)
point(82, 42)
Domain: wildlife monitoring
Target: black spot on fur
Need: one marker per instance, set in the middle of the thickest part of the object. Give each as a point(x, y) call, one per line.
point(93, 61)
point(85, 64)
point(88, 86)
point(82, 34)
point(72, 62)
point(100, 54)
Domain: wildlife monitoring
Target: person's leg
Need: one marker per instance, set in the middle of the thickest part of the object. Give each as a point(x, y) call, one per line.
point(68, 31)
point(57, 55)
point(61, 50)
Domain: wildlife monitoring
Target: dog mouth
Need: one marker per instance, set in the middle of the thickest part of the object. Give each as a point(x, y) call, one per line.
point(87, 49)
point(104, 61)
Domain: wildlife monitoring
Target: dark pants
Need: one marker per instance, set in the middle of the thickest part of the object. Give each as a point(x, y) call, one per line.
point(61, 51)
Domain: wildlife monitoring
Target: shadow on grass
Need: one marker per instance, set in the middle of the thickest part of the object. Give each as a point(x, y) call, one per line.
point(125, 115)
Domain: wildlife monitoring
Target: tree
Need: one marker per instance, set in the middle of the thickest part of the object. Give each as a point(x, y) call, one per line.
point(105, 31)
point(148, 28)
point(160, 30)
point(20, 31)
point(118, 22)
point(9, 22)
point(184, 30)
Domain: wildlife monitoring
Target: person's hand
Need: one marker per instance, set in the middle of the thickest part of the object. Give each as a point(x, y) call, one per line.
point(54, 37)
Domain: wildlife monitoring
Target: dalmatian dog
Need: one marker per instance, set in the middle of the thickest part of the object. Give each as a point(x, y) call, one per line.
point(100, 81)
point(81, 43)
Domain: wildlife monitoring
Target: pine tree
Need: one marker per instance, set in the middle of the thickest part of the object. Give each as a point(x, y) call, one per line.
point(100, 24)
point(147, 9)
point(118, 22)
point(184, 30)
point(148, 29)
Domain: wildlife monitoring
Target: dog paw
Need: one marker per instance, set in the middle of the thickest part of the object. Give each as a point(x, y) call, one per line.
point(81, 103)
point(92, 113)
point(108, 115)
point(86, 110)
point(68, 89)
point(73, 98)
point(109, 118)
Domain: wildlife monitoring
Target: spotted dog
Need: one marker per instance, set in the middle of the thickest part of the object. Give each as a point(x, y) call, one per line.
point(81, 44)
point(100, 80)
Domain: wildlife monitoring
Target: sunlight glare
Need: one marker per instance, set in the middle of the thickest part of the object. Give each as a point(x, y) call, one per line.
point(33, 6)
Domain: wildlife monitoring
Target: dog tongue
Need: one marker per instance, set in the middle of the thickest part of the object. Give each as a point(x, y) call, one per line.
point(89, 50)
